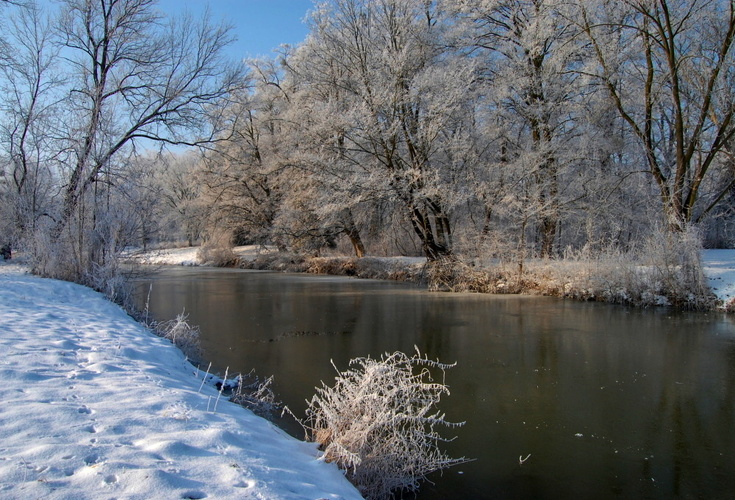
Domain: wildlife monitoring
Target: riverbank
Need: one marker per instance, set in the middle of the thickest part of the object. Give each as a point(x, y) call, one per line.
point(95, 406)
point(606, 280)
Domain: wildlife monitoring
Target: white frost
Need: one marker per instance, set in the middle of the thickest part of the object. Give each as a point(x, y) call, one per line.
point(94, 406)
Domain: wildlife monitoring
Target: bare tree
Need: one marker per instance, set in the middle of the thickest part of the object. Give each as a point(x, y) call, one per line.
point(29, 102)
point(668, 66)
point(137, 77)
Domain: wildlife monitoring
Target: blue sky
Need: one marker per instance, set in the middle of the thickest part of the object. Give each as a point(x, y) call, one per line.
point(260, 25)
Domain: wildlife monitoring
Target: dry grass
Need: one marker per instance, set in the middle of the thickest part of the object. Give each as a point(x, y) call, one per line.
point(664, 270)
point(217, 255)
point(256, 395)
point(367, 268)
point(182, 334)
point(615, 278)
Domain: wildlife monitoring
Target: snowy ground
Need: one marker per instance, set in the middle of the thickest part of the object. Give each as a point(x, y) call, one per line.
point(94, 406)
point(187, 256)
point(719, 267)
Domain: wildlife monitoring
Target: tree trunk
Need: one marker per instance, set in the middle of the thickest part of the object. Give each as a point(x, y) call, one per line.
point(353, 234)
point(433, 247)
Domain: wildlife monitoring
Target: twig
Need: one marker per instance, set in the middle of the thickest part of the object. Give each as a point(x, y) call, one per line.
point(221, 388)
point(204, 379)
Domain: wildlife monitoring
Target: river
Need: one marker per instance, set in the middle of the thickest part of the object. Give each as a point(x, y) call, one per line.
point(601, 401)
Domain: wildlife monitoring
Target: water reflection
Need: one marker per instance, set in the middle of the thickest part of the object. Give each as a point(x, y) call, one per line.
point(608, 401)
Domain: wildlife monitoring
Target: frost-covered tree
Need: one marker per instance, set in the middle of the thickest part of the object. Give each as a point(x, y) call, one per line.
point(533, 102)
point(244, 176)
point(386, 90)
point(163, 193)
point(29, 107)
point(186, 212)
point(331, 185)
point(668, 66)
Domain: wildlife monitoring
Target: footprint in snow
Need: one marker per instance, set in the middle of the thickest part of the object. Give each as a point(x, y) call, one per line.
point(194, 495)
point(92, 459)
point(111, 479)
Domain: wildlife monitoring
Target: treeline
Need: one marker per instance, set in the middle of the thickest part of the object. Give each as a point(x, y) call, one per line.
point(478, 128)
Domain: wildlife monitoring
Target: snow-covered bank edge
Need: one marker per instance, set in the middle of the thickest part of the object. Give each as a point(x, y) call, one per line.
point(190, 256)
point(719, 268)
point(610, 281)
point(96, 406)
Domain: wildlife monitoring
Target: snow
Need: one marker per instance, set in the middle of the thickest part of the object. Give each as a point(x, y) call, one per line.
point(719, 265)
point(187, 256)
point(94, 406)
point(719, 268)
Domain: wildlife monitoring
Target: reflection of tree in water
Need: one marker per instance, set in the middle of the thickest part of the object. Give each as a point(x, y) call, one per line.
point(686, 447)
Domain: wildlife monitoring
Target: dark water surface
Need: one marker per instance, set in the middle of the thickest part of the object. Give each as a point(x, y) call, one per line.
point(610, 402)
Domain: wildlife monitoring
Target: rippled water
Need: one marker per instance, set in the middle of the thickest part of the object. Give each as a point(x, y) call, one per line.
point(608, 401)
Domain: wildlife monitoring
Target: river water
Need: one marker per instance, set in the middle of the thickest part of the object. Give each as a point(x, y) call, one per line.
point(608, 401)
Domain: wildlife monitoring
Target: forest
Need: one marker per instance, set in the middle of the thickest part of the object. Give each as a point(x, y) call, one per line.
point(464, 131)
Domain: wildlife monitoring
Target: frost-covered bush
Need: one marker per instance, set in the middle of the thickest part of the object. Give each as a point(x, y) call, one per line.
point(110, 280)
point(665, 269)
point(379, 423)
point(456, 276)
point(256, 395)
point(674, 259)
point(181, 334)
point(217, 255)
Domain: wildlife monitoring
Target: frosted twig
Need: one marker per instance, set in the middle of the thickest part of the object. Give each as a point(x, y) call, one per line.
point(204, 379)
point(221, 388)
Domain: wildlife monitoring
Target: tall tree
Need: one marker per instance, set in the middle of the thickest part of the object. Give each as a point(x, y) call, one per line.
point(29, 103)
point(529, 52)
point(669, 68)
point(404, 100)
point(242, 175)
point(137, 77)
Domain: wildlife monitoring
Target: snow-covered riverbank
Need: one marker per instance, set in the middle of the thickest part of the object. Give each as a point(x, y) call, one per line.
point(718, 265)
point(95, 406)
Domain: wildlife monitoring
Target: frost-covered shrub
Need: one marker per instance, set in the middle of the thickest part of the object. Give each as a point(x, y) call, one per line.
point(214, 254)
point(181, 334)
point(112, 281)
point(53, 257)
point(378, 423)
point(664, 270)
point(279, 261)
point(456, 276)
point(256, 395)
point(338, 266)
point(675, 265)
